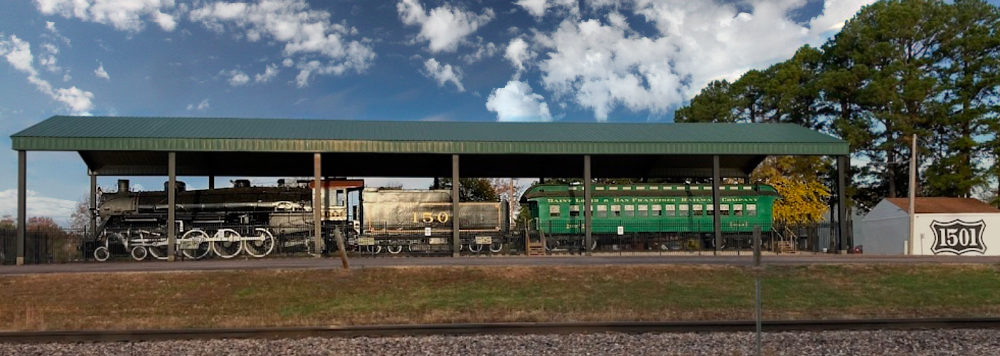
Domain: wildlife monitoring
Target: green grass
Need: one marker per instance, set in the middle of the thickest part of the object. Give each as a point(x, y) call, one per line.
point(491, 294)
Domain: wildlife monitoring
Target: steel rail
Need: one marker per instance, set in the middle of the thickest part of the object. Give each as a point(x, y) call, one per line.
point(69, 336)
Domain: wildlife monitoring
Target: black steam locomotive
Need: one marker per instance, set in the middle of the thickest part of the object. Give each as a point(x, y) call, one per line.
point(257, 221)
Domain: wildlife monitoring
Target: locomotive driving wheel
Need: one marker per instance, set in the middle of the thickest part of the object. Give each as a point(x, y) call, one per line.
point(496, 247)
point(395, 250)
point(260, 245)
point(227, 243)
point(200, 240)
point(158, 251)
point(475, 248)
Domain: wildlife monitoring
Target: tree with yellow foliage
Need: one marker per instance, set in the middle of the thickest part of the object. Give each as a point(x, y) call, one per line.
point(803, 196)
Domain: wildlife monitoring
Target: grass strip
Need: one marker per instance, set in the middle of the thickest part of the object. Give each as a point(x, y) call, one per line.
point(268, 298)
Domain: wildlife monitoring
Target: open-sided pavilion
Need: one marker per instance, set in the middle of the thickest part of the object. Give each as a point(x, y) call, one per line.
point(141, 146)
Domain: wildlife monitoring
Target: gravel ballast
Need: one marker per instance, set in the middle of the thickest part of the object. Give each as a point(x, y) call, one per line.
point(881, 342)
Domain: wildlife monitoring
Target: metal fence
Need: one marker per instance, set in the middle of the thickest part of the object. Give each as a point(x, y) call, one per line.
point(39, 246)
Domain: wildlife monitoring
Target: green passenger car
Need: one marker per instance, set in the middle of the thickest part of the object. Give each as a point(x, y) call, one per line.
point(647, 209)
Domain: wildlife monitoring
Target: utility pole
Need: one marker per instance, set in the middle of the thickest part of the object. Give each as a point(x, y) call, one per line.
point(913, 193)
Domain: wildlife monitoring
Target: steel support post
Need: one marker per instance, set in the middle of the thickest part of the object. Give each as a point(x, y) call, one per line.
point(171, 203)
point(587, 213)
point(211, 182)
point(317, 203)
point(843, 242)
point(22, 194)
point(456, 242)
point(831, 245)
point(757, 294)
point(92, 202)
point(716, 214)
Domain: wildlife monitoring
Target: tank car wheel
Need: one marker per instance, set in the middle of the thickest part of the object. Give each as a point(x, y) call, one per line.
point(231, 243)
point(395, 250)
point(102, 254)
point(203, 245)
point(158, 251)
point(139, 253)
point(475, 248)
point(496, 247)
point(260, 245)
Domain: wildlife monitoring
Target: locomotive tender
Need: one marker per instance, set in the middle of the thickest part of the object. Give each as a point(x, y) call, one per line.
point(257, 220)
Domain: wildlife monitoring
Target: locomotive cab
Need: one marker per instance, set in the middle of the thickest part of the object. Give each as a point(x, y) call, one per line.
point(335, 198)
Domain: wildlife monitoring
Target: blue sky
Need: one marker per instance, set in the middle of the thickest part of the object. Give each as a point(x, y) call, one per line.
point(526, 60)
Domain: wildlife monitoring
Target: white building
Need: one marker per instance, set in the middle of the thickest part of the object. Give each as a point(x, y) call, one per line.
point(950, 226)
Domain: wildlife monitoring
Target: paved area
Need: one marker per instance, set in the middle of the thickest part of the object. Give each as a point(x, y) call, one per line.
point(559, 260)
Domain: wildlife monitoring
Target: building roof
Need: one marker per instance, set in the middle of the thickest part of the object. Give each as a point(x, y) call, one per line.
point(943, 205)
point(74, 133)
point(272, 147)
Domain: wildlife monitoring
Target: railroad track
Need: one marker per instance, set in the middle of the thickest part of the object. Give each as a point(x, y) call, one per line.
point(68, 336)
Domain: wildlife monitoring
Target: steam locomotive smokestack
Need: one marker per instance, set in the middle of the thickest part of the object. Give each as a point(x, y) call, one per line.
point(123, 185)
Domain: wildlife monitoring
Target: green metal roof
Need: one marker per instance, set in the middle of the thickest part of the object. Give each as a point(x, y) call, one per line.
point(74, 133)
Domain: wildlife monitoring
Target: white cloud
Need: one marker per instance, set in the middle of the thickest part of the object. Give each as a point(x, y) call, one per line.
point(48, 57)
point(444, 27)
point(17, 52)
point(51, 48)
point(518, 53)
point(101, 73)
point(312, 68)
point(603, 64)
point(305, 33)
point(55, 208)
point(537, 7)
point(483, 50)
point(516, 102)
point(237, 77)
point(78, 100)
point(53, 31)
point(835, 13)
point(125, 15)
point(202, 106)
point(166, 22)
point(443, 73)
point(534, 7)
point(269, 73)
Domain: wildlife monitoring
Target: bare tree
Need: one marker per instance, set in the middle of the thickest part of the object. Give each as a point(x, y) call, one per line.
point(79, 220)
point(509, 189)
